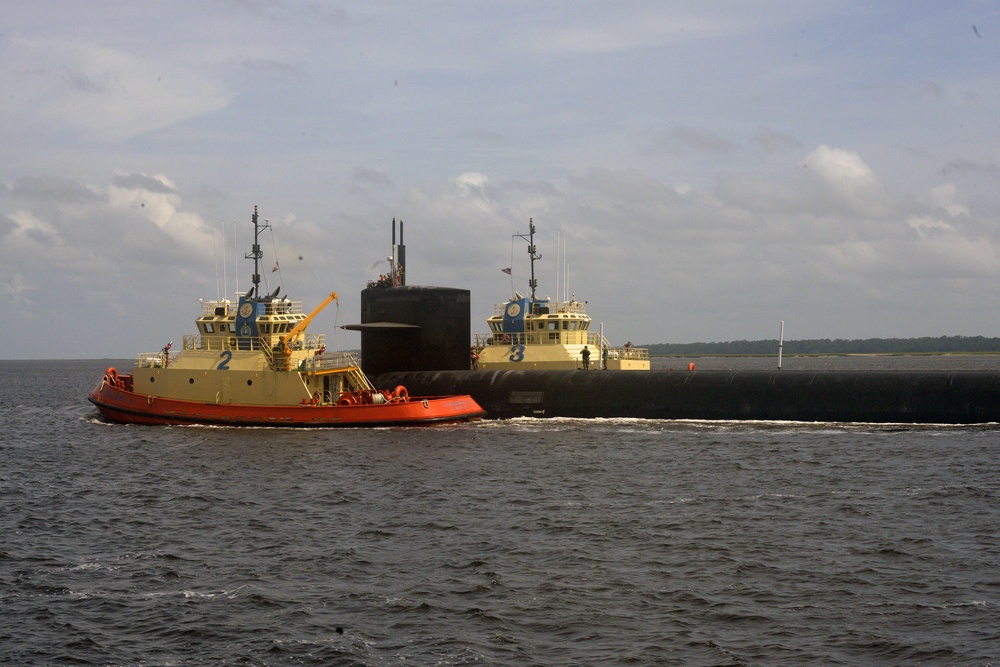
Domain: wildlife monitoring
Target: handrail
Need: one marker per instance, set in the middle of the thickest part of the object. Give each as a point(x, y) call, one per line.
point(256, 343)
point(151, 360)
point(579, 307)
point(340, 361)
point(273, 307)
point(591, 338)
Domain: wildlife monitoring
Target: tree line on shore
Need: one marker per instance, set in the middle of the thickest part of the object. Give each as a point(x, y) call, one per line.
point(925, 345)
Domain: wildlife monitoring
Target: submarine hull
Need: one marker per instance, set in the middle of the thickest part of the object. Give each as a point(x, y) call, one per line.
point(931, 397)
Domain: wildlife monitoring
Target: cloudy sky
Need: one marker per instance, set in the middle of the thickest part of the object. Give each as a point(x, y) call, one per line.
point(712, 168)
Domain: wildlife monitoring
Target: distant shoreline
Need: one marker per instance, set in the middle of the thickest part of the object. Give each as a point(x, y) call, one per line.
point(822, 354)
point(927, 345)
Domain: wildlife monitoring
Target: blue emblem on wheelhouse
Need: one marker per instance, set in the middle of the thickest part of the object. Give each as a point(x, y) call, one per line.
point(246, 322)
point(513, 315)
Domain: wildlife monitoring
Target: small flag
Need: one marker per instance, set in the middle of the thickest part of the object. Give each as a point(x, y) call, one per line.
point(275, 267)
point(507, 270)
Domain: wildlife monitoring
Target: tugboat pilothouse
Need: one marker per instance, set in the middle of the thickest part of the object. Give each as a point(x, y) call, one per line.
point(538, 334)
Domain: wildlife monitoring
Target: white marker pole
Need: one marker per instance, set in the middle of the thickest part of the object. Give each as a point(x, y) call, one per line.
point(600, 364)
point(781, 342)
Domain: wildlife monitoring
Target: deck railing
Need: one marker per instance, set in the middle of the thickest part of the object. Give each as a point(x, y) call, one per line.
point(339, 361)
point(151, 360)
point(220, 343)
point(579, 307)
point(232, 342)
point(273, 307)
point(590, 338)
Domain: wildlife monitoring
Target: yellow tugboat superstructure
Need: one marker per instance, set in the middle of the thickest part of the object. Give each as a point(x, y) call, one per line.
point(245, 358)
point(538, 334)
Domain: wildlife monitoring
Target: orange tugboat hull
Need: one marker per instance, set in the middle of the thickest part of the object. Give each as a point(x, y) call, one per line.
point(117, 404)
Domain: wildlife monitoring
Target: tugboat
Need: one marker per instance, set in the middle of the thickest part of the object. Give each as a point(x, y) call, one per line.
point(256, 365)
point(529, 333)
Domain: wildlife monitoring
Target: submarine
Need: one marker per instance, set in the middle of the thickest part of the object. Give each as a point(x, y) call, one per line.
point(420, 337)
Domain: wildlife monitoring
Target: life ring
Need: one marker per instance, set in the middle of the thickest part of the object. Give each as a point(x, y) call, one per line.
point(113, 379)
point(400, 394)
point(232, 343)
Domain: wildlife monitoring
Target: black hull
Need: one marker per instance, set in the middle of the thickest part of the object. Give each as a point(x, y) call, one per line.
point(928, 397)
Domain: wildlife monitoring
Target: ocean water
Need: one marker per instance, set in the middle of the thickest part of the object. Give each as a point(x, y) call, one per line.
point(523, 542)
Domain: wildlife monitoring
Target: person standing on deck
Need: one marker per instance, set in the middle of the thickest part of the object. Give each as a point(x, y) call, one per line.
point(586, 358)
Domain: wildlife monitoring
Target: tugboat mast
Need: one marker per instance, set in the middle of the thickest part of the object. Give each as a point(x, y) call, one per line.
point(256, 253)
point(530, 238)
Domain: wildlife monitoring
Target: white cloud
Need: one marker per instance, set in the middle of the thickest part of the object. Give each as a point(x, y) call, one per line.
point(102, 93)
point(15, 290)
point(847, 180)
point(471, 181)
point(927, 226)
point(29, 225)
point(943, 196)
point(842, 170)
point(156, 199)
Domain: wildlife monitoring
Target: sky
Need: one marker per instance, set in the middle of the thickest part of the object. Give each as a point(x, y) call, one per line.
point(695, 171)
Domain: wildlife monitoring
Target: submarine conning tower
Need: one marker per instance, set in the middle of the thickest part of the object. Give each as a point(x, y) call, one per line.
point(412, 328)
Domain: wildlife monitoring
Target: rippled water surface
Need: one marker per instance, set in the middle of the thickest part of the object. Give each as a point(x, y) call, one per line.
point(548, 542)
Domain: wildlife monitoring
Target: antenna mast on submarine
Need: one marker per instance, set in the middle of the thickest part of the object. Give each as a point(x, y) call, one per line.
point(397, 261)
point(530, 238)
